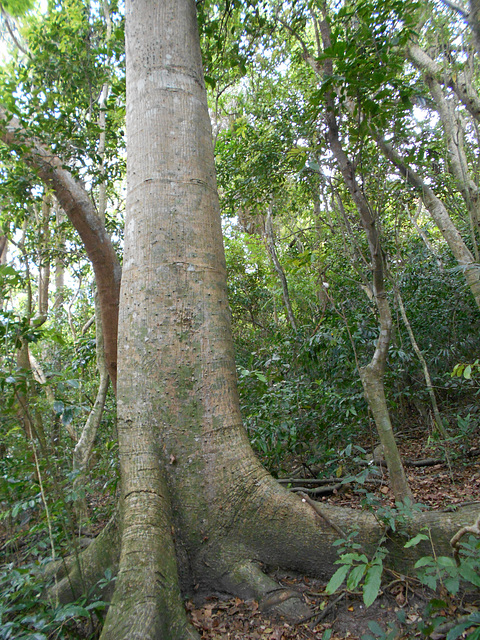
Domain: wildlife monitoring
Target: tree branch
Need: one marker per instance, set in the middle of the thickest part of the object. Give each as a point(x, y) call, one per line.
point(81, 212)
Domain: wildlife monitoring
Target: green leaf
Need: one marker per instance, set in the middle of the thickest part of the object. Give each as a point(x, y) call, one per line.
point(98, 604)
point(468, 573)
point(429, 580)
point(452, 585)
point(67, 416)
point(376, 629)
point(371, 587)
point(424, 561)
point(337, 579)
point(355, 576)
point(416, 540)
point(58, 407)
point(446, 562)
point(350, 558)
point(71, 611)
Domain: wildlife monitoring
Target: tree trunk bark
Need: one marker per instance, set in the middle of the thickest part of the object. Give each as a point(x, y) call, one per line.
point(3, 260)
point(455, 137)
point(438, 212)
point(474, 22)
point(79, 208)
point(270, 242)
point(372, 375)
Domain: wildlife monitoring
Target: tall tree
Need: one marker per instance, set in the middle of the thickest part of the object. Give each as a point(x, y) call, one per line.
point(196, 507)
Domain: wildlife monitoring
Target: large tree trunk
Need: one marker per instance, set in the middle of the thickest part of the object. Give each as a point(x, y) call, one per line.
point(197, 509)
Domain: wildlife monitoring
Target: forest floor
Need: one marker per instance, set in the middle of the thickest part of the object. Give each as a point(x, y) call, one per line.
point(448, 476)
point(399, 611)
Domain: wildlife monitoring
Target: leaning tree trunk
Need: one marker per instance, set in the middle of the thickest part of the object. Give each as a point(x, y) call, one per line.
point(474, 22)
point(373, 374)
point(440, 216)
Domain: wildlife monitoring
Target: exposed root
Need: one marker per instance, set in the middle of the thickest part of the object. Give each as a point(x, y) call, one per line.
point(247, 580)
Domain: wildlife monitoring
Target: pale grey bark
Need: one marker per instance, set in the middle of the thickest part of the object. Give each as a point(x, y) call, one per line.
point(460, 81)
point(3, 259)
point(59, 260)
point(454, 136)
point(474, 22)
point(439, 214)
point(414, 220)
point(84, 446)
point(423, 362)
point(43, 226)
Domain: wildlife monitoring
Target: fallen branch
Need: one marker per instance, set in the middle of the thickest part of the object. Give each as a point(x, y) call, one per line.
point(320, 491)
point(303, 481)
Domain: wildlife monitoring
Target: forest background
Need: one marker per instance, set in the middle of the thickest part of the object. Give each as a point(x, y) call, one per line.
point(346, 142)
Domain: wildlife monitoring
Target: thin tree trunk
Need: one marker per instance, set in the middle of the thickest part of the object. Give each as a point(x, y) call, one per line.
point(413, 219)
point(59, 264)
point(454, 136)
point(474, 22)
point(270, 242)
point(423, 362)
point(84, 446)
point(459, 82)
point(43, 221)
point(3, 260)
point(437, 210)
point(83, 449)
point(372, 375)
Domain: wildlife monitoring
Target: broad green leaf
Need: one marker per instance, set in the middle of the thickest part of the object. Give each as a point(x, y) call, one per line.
point(355, 576)
point(445, 561)
point(414, 541)
point(337, 579)
point(376, 629)
point(429, 580)
point(70, 611)
point(371, 587)
point(452, 585)
point(468, 573)
point(58, 407)
point(98, 604)
point(424, 561)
